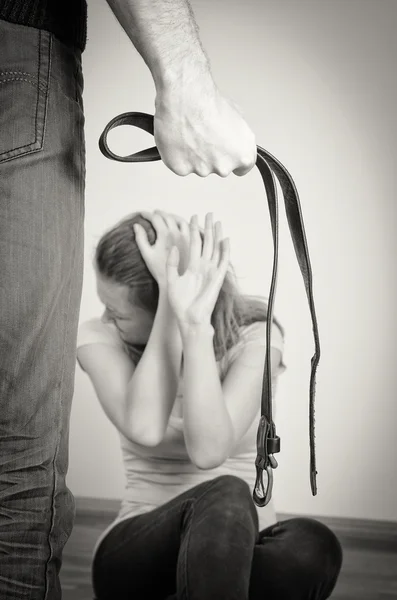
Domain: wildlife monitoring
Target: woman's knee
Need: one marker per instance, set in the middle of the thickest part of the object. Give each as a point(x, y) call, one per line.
point(318, 551)
point(232, 491)
point(232, 485)
point(232, 498)
point(224, 520)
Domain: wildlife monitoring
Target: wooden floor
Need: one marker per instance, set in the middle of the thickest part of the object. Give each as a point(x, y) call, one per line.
point(369, 571)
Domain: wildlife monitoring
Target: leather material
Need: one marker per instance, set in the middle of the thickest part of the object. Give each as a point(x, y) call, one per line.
point(270, 168)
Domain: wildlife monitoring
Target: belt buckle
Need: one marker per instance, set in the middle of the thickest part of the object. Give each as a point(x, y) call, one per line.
point(264, 462)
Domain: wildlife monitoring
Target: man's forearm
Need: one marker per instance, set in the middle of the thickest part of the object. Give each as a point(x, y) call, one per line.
point(196, 128)
point(165, 34)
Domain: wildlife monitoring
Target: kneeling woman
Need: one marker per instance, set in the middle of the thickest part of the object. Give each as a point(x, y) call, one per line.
point(177, 362)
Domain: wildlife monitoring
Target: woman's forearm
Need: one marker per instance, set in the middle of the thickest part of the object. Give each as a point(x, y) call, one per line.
point(165, 34)
point(152, 389)
point(208, 428)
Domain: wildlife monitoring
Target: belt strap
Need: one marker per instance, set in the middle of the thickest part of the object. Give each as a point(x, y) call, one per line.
point(268, 443)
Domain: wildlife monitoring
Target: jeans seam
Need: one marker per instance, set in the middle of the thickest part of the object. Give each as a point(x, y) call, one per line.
point(185, 591)
point(38, 89)
point(185, 577)
point(55, 479)
point(152, 523)
point(22, 76)
point(6, 80)
point(16, 73)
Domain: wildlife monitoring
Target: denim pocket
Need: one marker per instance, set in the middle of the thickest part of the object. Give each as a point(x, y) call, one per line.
point(24, 81)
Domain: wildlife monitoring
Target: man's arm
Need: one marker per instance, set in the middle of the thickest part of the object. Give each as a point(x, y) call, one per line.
point(196, 128)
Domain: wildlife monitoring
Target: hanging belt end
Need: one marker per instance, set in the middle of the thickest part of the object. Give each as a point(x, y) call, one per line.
point(313, 482)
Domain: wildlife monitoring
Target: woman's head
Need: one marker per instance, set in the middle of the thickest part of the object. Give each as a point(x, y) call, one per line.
point(124, 284)
point(130, 292)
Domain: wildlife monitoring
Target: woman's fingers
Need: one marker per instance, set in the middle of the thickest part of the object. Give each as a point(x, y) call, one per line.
point(210, 253)
point(173, 221)
point(222, 267)
point(225, 258)
point(177, 226)
point(141, 240)
point(208, 243)
point(172, 264)
point(158, 222)
point(170, 222)
point(180, 221)
point(195, 244)
point(160, 225)
point(185, 230)
point(208, 250)
point(216, 275)
point(146, 215)
point(217, 243)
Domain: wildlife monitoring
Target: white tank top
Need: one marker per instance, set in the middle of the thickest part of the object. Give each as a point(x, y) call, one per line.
point(156, 475)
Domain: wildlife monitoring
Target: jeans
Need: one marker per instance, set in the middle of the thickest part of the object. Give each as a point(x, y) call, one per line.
point(205, 545)
point(42, 174)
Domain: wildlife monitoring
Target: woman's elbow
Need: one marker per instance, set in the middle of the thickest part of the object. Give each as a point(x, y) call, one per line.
point(147, 436)
point(150, 441)
point(209, 460)
point(206, 457)
point(208, 464)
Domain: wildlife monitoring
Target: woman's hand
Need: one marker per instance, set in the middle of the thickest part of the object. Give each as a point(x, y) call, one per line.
point(193, 294)
point(171, 230)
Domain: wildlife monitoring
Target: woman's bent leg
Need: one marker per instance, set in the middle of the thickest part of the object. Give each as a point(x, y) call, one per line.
point(198, 546)
point(297, 559)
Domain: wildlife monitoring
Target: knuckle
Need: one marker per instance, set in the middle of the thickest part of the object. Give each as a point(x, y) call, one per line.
point(170, 223)
point(223, 171)
point(202, 171)
point(177, 164)
point(160, 227)
point(182, 170)
point(247, 159)
point(157, 221)
point(243, 169)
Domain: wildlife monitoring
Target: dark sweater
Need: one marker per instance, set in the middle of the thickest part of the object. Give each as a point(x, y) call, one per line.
point(66, 19)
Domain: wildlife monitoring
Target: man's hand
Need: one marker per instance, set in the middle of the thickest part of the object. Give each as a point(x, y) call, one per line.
point(197, 130)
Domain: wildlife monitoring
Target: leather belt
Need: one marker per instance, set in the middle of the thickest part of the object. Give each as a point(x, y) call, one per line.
point(268, 443)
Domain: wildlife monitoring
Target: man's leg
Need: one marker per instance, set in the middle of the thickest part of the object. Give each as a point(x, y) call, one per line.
point(41, 263)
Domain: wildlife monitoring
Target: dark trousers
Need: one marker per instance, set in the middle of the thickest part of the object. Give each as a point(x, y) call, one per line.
point(42, 174)
point(205, 545)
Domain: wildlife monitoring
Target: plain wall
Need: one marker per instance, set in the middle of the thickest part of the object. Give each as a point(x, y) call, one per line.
point(316, 81)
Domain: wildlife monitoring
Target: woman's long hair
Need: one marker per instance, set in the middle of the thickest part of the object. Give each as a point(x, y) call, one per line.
point(118, 258)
